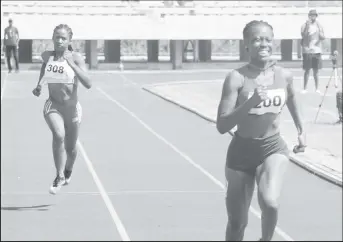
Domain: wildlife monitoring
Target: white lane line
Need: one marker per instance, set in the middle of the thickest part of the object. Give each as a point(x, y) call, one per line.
point(138, 192)
point(183, 82)
point(283, 234)
point(184, 71)
point(115, 217)
point(127, 80)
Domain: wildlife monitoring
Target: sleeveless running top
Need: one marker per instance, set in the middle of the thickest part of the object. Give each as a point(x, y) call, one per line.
point(58, 72)
point(263, 119)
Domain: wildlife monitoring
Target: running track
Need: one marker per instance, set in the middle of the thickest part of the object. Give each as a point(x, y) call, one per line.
point(146, 170)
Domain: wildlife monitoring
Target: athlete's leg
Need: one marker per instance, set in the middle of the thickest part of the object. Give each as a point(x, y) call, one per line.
point(72, 134)
point(55, 121)
point(72, 126)
point(56, 125)
point(240, 190)
point(269, 179)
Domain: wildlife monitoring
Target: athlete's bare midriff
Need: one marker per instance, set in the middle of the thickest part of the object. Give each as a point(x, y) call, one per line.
point(63, 93)
point(261, 125)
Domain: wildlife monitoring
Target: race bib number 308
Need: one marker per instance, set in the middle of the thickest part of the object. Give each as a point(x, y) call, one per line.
point(273, 104)
point(55, 68)
point(55, 73)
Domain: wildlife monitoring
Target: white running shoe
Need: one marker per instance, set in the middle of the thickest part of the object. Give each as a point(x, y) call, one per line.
point(57, 184)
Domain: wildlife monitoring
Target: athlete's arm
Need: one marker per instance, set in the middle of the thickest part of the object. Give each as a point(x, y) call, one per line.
point(292, 103)
point(45, 57)
point(228, 117)
point(80, 69)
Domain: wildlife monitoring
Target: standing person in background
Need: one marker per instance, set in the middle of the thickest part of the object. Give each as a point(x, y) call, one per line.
point(11, 45)
point(312, 35)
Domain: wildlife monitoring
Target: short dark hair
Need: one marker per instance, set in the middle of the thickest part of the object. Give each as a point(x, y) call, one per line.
point(251, 24)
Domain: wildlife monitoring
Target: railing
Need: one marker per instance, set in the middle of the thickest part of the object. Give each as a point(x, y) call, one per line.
point(101, 10)
point(151, 21)
point(173, 4)
point(161, 4)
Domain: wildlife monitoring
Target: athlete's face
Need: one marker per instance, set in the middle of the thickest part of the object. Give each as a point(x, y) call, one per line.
point(260, 42)
point(61, 40)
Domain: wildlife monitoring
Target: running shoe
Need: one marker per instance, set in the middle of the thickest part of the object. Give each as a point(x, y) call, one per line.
point(67, 175)
point(57, 184)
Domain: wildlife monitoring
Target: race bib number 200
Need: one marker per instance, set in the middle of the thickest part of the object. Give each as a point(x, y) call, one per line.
point(273, 104)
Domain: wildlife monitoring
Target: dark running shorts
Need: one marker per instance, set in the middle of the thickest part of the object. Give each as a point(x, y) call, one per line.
point(312, 61)
point(246, 154)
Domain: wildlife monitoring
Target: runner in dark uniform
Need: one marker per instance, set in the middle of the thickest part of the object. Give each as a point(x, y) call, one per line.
point(252, 99)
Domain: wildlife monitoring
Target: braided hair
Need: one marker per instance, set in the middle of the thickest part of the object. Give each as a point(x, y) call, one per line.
point(68, 29)
point(251, 24)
